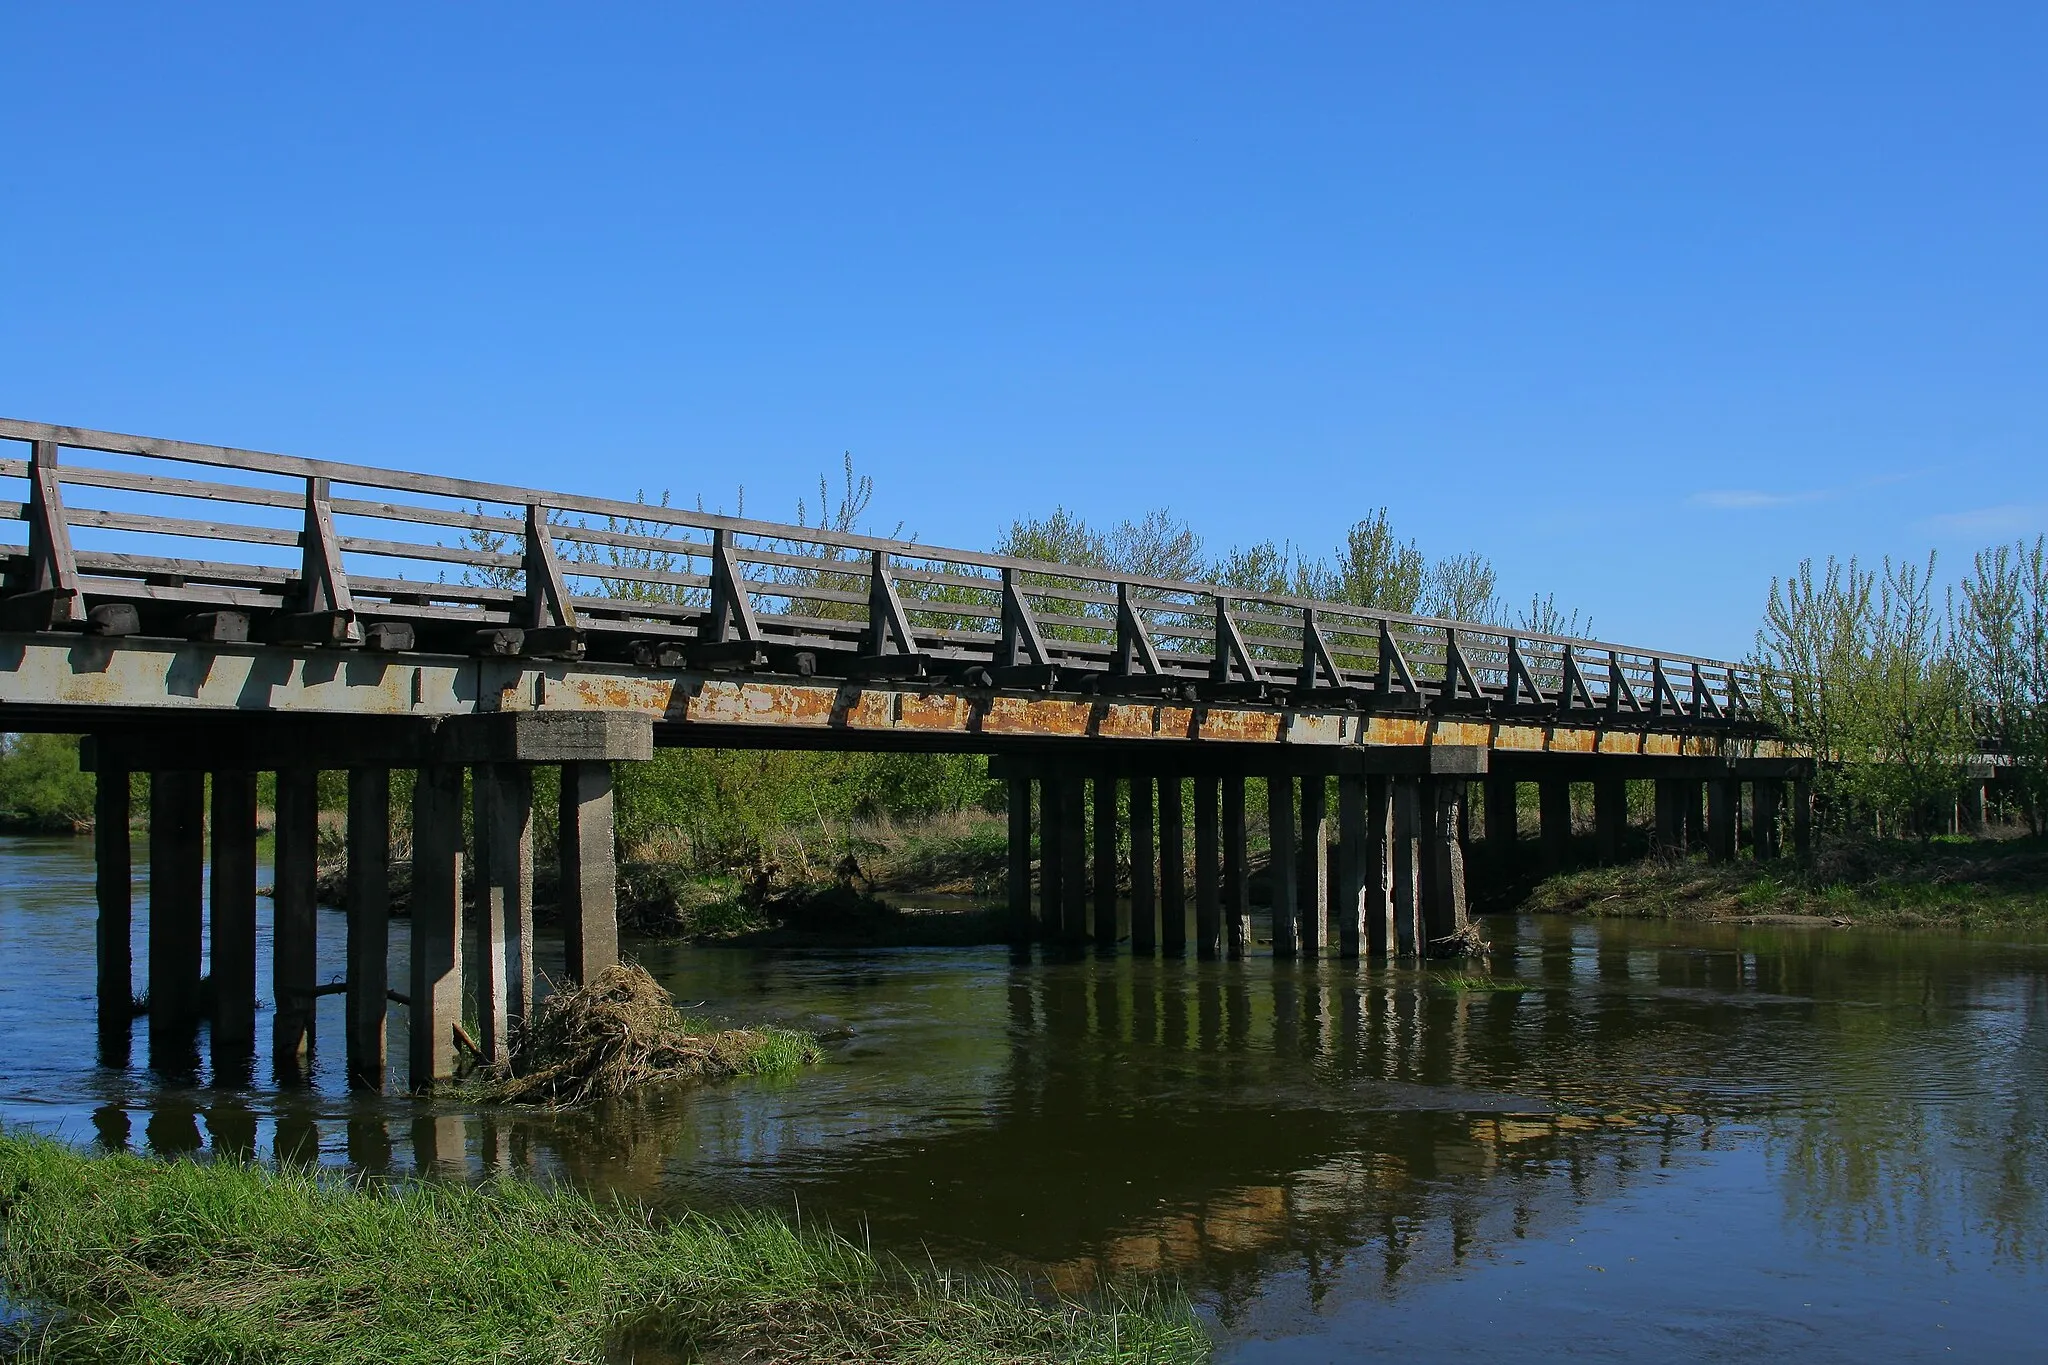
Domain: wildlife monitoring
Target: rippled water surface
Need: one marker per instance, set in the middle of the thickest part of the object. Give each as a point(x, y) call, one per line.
point(1681, 1141)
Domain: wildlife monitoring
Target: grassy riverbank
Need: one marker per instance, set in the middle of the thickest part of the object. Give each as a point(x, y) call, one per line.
point(144, 1260)
point(1969, 884)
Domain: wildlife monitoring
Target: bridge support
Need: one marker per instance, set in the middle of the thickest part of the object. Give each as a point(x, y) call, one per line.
point(1670, 816)
point(1105, 888)
point(113, 933)
point(1208, 871)
point(1051, 825)
point(1445, 912)
point(1610, 817)
point(1313, 880)
point(436, 995)
point(1282, 871)
point(1802, 820)
point(1763, 805)
point(368, 906)
point(1378, 890)
point(1173, 872)
point(1018, 877)
point(589, 869)
point(1352, 857)
point(177, 888)
point(1724, 802)
point(1073, 860)
point(1236, 870)
point(501, 797)
point(1409, 936)
point(1144, 869)
point(294, 903)
point(232, 934)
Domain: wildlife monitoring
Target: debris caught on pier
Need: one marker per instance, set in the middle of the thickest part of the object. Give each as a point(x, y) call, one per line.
point(622, 1033)
point(1466, 942)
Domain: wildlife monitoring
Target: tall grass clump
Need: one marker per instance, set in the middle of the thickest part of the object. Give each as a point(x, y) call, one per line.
point(120, 1258)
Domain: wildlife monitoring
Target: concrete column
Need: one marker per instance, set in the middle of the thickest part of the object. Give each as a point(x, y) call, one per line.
point(177, 873)
point(1670, 816)
point(1610, 817)
point(437, 921)
point(368, 904)
point(1144, 869)
point(1173, 877)
point(1073, 860)
point(1313, 880)
point(1019, 878)
point(1236, 892)
point(113, 935)
point(1052, 826)
point(232, 933)
point(1106, 932)
point(1724, 798)
point(1501, 820)
point(1208, 871)
point(1445, 910)
point(1409, 935)
point(590, 874)
point(1378, 889)
point(502, 795)
point(294, 904)
point(1554, 805)
point(1351, 863)
point(1281, 869)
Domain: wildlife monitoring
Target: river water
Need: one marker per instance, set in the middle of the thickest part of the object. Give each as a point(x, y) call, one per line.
point(1686, 1142)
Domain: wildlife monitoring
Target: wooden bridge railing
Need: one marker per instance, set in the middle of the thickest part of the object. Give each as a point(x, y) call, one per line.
point(302, 551)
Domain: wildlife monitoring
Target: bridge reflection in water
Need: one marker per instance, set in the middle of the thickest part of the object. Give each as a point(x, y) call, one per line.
point(1300, 1131)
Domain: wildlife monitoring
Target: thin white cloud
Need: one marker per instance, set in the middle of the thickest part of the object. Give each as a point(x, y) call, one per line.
point(1747, 499)
point(2006, 519)
point(1761, 500)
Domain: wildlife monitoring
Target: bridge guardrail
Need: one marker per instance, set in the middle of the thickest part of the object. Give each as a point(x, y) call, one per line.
point(330, 553)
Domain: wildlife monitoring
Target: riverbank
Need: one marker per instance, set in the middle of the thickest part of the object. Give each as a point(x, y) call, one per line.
point(1961, 883)
point(131, 1259)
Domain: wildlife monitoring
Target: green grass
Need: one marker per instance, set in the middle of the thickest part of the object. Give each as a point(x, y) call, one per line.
point(130, 1259)
point(1462, 981)
point(1980, 884)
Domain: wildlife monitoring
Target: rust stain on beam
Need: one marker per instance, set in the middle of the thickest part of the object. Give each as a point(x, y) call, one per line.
point(1037, 716)
point(1239, 727)
point(1397, 730)
point(728, 703)
point(1123, 721)
point(1466, 734)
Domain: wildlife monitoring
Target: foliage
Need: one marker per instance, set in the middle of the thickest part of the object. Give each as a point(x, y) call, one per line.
point(1866, 673)
point(2001, 635)
point(41, 787)
point(118, 1258)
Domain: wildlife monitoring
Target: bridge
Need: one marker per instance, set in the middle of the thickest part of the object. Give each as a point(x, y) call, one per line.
point(204, 614)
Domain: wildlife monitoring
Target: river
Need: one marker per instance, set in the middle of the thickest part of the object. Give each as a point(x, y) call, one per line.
point(1679, 1141)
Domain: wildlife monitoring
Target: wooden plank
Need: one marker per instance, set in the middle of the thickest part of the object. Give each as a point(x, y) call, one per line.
point(1380, 936)
point(1312, 881)
point(1073, 861)
point(436, 925)
point(1352, 854)
point(1051, 863)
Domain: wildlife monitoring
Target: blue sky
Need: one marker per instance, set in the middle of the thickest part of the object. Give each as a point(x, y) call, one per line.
point(1645, 302)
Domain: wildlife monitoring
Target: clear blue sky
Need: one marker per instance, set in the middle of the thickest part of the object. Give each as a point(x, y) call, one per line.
point(1644, 301)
